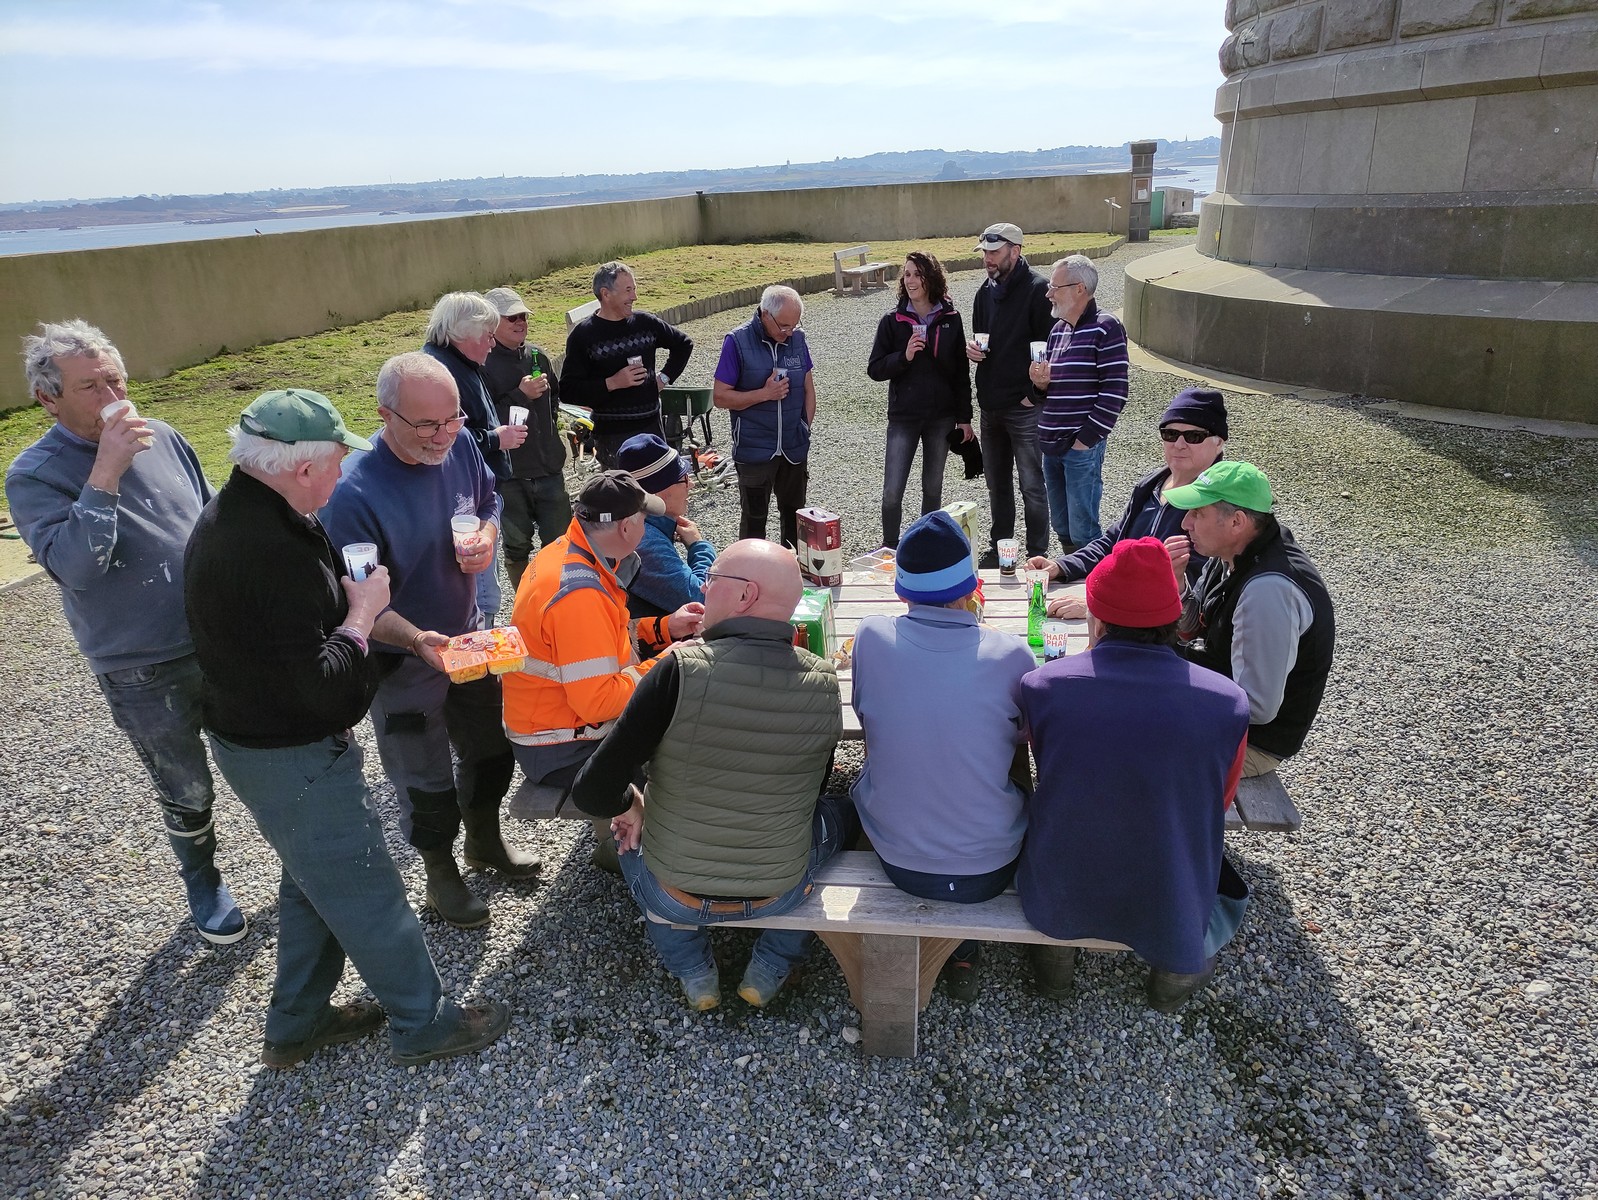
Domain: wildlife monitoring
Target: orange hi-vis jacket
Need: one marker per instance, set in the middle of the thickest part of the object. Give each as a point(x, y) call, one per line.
point(582, 664)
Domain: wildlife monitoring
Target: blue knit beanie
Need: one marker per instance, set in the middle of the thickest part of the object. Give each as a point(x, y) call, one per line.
point(933, 565)
point(1204, 407)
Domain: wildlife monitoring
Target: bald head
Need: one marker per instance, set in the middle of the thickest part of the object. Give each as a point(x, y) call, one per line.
point(761, 580)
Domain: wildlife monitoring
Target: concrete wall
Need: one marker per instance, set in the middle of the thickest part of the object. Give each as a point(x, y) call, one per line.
point(170, 306)
point(1407, 206)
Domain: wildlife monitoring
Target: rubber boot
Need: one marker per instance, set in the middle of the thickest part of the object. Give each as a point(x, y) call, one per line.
point(216, 915)
point(605, 857)
point(485, 846)
point(1169, 991)
point(447, 894)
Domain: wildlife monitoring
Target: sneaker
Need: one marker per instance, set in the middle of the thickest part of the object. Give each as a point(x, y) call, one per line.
point(342, 1024)
point(759, 985)
point(703, 992)
point(962, 978)
point(989, 560)
point(1053, 970)
point(480, 1024)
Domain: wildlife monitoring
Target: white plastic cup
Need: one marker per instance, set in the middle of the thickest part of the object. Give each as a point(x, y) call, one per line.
point(518, 415)
point(1054, 635)
point(982, 342)
point(919, 331)
point(116, 406)
point(1040, 351)
point(464, 530)
point(781, 373)
point(361, 559)
point(636, 360)
point(1009, 551)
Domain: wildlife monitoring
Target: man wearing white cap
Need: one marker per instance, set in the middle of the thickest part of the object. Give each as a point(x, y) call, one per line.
point(1011, 311)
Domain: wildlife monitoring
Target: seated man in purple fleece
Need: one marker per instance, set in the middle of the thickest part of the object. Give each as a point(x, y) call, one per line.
point(1138, 755)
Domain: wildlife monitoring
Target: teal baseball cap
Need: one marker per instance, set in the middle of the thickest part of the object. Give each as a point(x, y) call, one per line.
point(298, 415)
point(1238, 483)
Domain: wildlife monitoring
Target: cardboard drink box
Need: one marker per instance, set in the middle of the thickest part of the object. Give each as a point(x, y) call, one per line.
point(964, 513)
point(820, 547)
point(813, 624)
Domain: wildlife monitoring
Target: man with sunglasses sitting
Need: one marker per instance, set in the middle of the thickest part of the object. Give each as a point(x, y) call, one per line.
point(421, 472)
point(1192, 436)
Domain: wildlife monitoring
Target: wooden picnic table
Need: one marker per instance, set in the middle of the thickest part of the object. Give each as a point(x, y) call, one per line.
point(866, 593)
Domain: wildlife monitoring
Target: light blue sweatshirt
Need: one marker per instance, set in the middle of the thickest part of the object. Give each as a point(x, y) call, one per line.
point(937, 695)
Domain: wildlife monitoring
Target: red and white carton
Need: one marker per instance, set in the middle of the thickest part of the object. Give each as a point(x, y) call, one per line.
point(820, 547)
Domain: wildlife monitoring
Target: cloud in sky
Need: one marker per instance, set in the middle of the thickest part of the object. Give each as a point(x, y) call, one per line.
point(189, 97)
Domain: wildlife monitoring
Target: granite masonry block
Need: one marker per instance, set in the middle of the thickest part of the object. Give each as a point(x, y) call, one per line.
point(1297, 33)
point(1420, 17)
point(1359, 23)
point(1531, 10)
point(1482, 63)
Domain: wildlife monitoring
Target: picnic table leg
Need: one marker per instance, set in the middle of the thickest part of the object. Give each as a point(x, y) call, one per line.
point(884, 976)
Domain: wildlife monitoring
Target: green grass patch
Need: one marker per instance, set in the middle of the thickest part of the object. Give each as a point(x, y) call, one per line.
point(342, 363)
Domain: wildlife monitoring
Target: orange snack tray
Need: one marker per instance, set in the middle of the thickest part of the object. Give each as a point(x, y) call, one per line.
point(470, 656)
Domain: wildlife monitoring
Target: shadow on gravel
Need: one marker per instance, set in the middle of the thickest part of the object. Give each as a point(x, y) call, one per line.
point(134, 1043)
point(1312, 1094)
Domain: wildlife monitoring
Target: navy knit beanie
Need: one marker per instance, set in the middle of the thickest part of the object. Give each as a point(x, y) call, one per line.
point(933, 564)
point(1203, 407)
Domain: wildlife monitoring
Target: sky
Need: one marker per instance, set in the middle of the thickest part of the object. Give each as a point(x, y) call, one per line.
point(103, 98)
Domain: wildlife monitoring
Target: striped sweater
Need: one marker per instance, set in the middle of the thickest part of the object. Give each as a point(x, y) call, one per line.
point(1087, 381)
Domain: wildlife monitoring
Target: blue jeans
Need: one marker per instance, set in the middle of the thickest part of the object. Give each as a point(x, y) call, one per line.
point(489, 593)
point(903, 437)
point(340, 893)
point(1010, 438)
point(686, 952)
point(1075, 482)
point(158, 707)
point(956, 889)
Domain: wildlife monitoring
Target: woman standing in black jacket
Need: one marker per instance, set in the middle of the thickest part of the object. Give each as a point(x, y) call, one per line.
point(920, 351)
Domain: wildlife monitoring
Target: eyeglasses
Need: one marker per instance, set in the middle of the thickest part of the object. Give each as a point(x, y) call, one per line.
point(432, 428)
point(712, 575)
point(518, 318)
point(1060, 287)
point(1191, 436)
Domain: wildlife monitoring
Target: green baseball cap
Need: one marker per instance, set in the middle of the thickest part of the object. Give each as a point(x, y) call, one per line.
point(1239, 483)
point(298, 415)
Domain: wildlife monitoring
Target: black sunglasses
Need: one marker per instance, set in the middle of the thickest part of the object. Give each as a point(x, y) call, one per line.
point(1191, 436)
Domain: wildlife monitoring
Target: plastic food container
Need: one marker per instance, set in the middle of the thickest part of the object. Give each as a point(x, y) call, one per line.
point(470, 656)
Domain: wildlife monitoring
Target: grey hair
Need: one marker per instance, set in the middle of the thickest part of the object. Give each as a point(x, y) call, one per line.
point(778, 296)
point(256, 453)
point(605, 277)
point(593, 528)
point(413, 364)
point(68, 339)
point(1260, 519)
point(458, 315)
point(1080, 269)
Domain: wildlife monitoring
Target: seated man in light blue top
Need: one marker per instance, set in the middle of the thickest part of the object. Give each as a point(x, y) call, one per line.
point(663, 582)
point(938, 698)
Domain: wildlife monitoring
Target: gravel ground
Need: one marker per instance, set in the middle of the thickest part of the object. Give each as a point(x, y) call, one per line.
point(1406, 1012)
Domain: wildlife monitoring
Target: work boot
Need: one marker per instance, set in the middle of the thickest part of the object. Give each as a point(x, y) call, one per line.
point(1053, 970)
point(962, 974)
point(342, 1024)
point(216, 915)
point(485, 846)
point(449, 897)
point(1168, 991)
point(480, 1024)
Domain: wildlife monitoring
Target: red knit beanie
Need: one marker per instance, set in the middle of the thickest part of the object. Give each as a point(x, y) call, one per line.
point(1134, 586)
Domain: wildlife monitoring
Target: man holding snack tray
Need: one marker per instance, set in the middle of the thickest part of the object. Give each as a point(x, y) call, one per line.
point(422, 476)
point(282, 643)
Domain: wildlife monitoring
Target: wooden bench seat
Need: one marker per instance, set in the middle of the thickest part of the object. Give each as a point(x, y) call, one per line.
point(891, 945)
point(854, 278)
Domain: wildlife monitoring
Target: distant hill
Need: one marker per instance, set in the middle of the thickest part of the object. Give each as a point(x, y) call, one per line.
point(537, 191)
